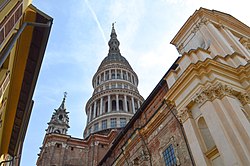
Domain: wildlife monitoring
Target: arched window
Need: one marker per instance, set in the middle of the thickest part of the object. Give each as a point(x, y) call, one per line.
point(57, 131)
point(60, 117)
point(113, 105)
point(205, 133)
point(120, 105)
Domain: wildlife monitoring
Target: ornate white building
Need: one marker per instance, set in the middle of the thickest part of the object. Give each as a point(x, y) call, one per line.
point(211, 87)
point(115, 98)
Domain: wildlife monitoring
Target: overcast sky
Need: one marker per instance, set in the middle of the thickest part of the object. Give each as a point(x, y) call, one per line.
point(79, 42)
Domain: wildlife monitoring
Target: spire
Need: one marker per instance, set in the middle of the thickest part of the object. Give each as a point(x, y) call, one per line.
point(59, 122)
point(113, 42)
point(62, 106)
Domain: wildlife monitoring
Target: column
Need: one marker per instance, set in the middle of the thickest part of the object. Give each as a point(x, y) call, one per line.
point(138, 103)
point(193, 137)
point(125, 103)
point(115, 73)
point(240, 127)
point(94, 109)
point(100, 78)
point(117, 103)
point(221, 132)
point(88, 116)
point(109, 103)
point(104, 75)
point(90, 111)
point(101, 106)
point(109, 74)
point(133, 104)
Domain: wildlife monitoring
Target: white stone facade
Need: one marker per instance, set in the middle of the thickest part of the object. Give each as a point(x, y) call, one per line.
point(211, 87)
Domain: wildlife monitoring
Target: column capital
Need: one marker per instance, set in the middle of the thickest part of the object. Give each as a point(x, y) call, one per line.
point(244, 98)
point(212, 92)
point(184, 114)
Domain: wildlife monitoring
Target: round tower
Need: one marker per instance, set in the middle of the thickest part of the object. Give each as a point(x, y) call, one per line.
point(115, 98)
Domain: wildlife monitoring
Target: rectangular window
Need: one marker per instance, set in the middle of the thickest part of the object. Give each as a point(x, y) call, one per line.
point(113, 122)
point(96, 127)
point(104, 124)
point(169, 156)
point(123, 122)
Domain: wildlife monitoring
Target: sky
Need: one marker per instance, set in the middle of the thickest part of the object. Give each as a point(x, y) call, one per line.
point(79, 42)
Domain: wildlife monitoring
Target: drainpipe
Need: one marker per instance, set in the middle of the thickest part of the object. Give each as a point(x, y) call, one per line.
point(7, 50)
point(183, 133)
point(146, 147)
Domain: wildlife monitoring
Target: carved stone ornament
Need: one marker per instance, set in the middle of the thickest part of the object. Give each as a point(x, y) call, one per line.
point(213, 92)
point(244, 98)
point(184, 114)
point(203, 21)
point(180, 48)
point(170, 104)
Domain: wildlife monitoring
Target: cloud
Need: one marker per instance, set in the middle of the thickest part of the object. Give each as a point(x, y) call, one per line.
point(97, 21)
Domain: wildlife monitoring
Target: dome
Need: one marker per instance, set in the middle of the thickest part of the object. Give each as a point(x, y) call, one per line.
point(114, 58)
point(115, 98)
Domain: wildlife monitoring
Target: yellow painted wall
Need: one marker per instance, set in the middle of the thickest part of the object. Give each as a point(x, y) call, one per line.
point(17, 65)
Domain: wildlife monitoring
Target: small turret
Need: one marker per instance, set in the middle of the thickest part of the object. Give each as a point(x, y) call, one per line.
point(59, 122)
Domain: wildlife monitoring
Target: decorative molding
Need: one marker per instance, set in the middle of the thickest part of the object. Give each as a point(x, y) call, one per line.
point(170, 104)
point(245, 42)
point(214, 92)
point(244, 98)
point(204, 21)
point(180, 48)
point(184, 114)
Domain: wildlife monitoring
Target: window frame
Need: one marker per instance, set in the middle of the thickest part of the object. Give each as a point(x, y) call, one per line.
point(169, 156)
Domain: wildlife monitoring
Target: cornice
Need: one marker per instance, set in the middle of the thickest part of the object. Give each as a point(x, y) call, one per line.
point(206, 68)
